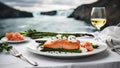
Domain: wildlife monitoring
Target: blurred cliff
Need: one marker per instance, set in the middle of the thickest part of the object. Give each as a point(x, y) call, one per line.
point(8, 12)
point(112, 9)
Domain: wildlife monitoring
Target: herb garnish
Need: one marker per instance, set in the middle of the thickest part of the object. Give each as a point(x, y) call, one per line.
point(5, 47)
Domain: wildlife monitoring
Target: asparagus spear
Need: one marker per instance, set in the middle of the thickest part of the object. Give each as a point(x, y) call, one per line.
point(36, 34)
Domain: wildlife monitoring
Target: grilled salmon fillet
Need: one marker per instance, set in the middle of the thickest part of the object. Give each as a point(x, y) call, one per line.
point(64, 44)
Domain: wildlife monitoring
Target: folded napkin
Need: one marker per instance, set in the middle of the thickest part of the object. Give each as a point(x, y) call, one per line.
point(113, 33)
point(116, 41)
point(110, 32)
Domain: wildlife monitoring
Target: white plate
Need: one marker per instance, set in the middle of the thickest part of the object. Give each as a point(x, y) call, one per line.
point(25, 40)
point(102, 47)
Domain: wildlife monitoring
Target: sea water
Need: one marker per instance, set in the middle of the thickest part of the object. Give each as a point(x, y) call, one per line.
point(44, 24)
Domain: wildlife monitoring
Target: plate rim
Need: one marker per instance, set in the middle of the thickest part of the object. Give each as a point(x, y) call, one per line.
point(69, 55)
point(25, 40)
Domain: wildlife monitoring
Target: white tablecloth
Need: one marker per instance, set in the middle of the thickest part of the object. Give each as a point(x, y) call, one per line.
point(106, 59)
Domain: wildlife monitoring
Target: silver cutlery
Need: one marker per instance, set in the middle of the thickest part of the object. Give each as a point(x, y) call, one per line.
point(112, 47)
point(15, 53)
point(115, 41)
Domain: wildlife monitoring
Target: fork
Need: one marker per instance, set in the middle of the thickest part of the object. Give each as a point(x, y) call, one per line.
point(15, 53)
point(112, 47)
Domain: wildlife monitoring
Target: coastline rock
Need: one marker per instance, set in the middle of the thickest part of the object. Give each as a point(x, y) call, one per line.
point(8, 12)
point(51, 13)
point(112, 9)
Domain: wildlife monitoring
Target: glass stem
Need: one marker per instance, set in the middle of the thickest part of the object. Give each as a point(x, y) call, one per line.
point(96, 34)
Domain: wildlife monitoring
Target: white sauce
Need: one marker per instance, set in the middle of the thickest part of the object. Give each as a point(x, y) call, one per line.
point(72, 38)
point(84, 50)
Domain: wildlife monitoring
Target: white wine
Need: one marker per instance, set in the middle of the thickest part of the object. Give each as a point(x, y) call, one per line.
point(98, 22)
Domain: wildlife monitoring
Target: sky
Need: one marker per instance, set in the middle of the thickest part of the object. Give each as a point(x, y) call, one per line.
point(45, 5)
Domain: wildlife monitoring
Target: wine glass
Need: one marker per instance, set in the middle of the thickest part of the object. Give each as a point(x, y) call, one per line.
point(98, 17)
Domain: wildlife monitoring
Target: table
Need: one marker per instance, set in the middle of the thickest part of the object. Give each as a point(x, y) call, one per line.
point(106, 59)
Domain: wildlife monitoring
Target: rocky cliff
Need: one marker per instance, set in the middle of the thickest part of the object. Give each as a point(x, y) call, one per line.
point(50, 13)
point(112, 9)
point(8, 12)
